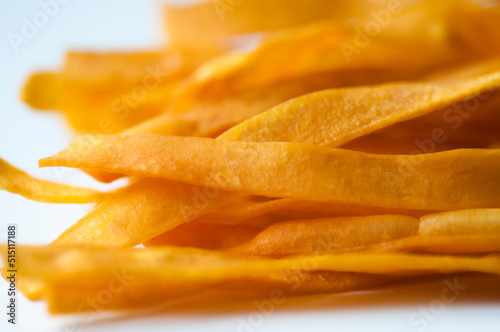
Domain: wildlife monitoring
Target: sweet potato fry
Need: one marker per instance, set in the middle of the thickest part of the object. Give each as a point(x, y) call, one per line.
point(108, 220)
point(463, 222)
point(455, 179)
point(358, 111)
point(329, 235)
point(240, 210)
point(473, 123)
point(53, 263)
point(449, 244)
point(107, 92)
point(71, 295)
point(18, 182)
point(210, 236)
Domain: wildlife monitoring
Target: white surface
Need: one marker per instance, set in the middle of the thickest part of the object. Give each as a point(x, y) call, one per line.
point(26, 136)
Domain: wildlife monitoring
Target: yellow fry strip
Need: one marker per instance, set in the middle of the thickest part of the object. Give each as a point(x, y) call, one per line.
point(449, 244)
point(454, 179)
point(239, 210)
point(112, 70)
point(211, 116)
point(210, 236)
point(337, 116)
point(179, 264)
point(108, 92)
point(329, 235)
point(107, 224)
point(463, 222)
point(18, 182)
point(474, 123)
point(73, 295)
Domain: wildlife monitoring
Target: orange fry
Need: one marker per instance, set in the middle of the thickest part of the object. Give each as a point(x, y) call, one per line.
point(455, 179)
point(329, 235)
point(18, 182)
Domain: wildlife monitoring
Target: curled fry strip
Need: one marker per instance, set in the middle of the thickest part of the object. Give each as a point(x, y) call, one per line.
point(329, 235)
point(18, 182)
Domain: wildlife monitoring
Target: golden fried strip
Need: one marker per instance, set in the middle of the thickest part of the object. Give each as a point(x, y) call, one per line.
point(65, 296)
point(337, 116)
point(212, 236)
point(462, 222)
point(329, 235)
point(456, 179)
point(182, 264)
point(105, 222)
point(449, 244)
point(244, 208)
point(108, 92)
point(18, 182)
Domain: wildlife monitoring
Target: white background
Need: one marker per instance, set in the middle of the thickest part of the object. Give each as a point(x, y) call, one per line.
point(27, 135)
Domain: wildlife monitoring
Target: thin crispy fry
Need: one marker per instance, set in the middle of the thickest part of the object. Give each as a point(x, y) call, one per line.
point(329, 235)
point(463, 222)
point(473, 123)
point(18, 182)
point(211, 116)
point(358, 111)
point(108, 221)
point(244, 208)
point(107, 92)
point(205, 236)
point(66, 296)
point(449, 244)
point(182, 264)
point(440, 181)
